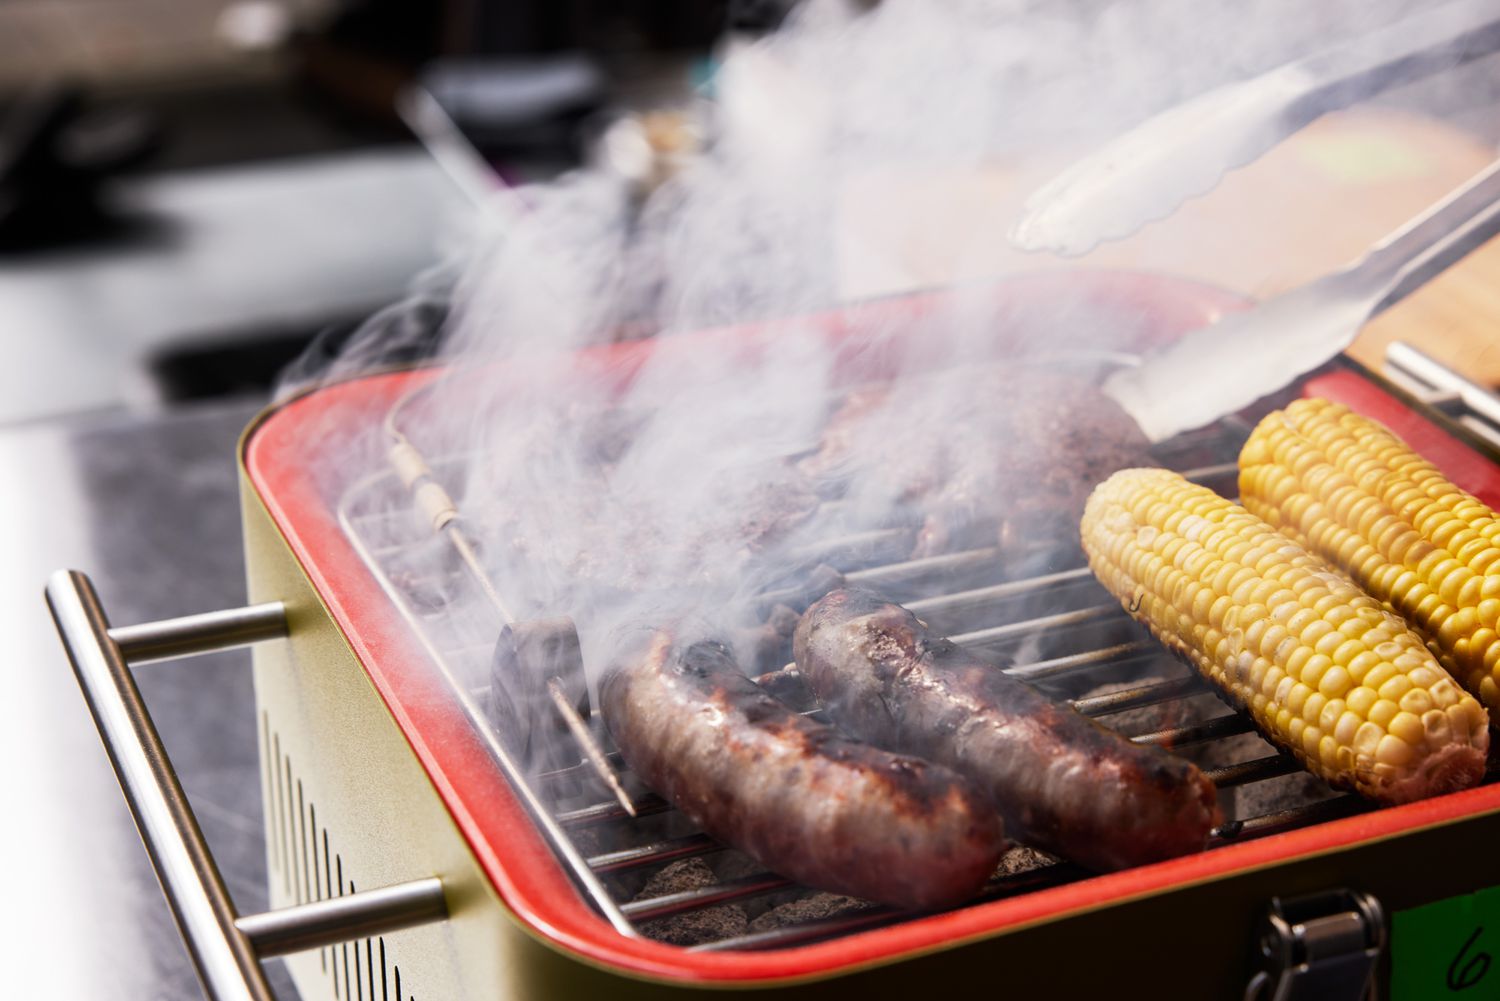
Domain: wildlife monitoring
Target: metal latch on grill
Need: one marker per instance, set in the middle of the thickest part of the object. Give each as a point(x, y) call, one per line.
point(1322, 946)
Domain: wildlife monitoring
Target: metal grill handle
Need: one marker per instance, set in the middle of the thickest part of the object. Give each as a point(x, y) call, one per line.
point(1440, 386)
point(225, 948)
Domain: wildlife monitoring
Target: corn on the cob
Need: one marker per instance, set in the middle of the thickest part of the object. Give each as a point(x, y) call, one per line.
point(1355, 494)
point(1323, 669)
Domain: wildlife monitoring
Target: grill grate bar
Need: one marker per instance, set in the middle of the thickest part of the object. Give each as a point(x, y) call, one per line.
point(1218, 471)
point(803, 932)
point(646, 805)
point(1290, 819)
point(708, 896)
point(1199, 733)
point(1139, 698)
point(855, 547)
point(669, 850)
point(1045, 875)
point(582, 770)
point(1057, 666)
point(969, 561)
point(979, 597)
point(1270, 767)
point(1030, 627)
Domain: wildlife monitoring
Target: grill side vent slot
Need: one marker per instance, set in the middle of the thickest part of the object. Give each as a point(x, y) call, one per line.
point(302, 856)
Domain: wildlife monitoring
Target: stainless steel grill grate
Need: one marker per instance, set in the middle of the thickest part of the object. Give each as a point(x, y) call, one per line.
point(1058, 627)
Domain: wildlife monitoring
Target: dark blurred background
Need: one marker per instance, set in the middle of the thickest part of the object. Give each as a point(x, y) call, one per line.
point(191, 191)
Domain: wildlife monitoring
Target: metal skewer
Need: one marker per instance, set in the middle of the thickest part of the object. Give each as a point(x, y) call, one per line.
point(433, 500)
point(591, 748)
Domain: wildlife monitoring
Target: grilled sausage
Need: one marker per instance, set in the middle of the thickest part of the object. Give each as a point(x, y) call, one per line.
point(793, 793)
point(1062, 782)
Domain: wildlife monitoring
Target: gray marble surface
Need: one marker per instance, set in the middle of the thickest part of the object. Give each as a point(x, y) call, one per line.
point(147, 506)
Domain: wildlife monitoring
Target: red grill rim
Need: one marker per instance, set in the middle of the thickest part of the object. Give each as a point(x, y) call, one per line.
point(529, 878)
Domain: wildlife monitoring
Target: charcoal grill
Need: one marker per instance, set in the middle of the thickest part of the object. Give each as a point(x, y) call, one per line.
point(386, 810)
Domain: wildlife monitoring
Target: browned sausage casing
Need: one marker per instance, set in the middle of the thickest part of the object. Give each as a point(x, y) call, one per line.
point(793, 793)
point(1062, 782)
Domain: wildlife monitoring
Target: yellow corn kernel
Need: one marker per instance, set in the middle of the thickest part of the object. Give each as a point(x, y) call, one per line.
point(1322, 668)
point(1355, 494)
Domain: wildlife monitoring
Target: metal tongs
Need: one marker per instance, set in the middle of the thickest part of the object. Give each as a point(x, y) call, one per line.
point(1145, 174)
point(1221, 368)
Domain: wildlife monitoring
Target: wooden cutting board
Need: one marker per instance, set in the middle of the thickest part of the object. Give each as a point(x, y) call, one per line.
point(1315, 202)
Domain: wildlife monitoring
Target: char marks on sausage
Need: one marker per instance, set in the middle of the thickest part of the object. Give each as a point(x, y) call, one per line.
point(1062, 782)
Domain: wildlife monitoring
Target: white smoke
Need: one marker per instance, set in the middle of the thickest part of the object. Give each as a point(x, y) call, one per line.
point(645, 493)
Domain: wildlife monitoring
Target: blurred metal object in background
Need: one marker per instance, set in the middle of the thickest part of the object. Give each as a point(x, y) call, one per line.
point(520, 74)
point(506, 104)
point(255, 25)
point(55, 159)
point(649, 148)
